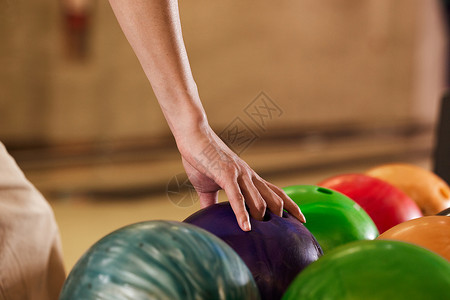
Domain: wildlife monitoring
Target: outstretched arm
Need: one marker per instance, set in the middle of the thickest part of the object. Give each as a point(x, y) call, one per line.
point(154, 31)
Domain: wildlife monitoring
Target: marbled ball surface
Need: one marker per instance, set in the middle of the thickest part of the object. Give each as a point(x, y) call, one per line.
point(160, 260)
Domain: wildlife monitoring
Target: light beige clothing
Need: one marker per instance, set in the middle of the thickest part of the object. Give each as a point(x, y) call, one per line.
point(30, 249)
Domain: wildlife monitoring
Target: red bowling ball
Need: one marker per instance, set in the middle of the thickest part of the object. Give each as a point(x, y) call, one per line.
point(384, 203)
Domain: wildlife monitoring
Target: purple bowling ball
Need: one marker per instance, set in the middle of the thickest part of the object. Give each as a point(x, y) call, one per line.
point(275, 250)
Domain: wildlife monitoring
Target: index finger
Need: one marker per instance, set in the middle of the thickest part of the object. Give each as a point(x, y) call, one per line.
point(237, 202)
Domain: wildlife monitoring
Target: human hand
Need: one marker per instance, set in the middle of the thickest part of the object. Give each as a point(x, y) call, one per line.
point(212, 166)
point(153, 29)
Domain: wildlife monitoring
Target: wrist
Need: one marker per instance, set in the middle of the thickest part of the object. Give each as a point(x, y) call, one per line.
point(185, 116)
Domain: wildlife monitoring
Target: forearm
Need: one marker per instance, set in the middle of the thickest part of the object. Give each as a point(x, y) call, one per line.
point(154, 31)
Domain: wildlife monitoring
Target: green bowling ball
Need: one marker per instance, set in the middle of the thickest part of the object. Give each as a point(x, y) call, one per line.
point(160, 260)
point(374, 270)
point(333, 218)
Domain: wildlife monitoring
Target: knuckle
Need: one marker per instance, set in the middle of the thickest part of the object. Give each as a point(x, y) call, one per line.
point(230, 169)
point(277, 203)
point(260, 206)
point(240, 197)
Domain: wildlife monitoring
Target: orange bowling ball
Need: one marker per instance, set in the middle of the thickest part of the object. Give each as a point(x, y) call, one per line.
point(432, 233)
point(429, 191)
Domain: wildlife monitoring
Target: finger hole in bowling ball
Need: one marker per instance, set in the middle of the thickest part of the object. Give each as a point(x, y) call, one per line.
point(285, 214)
point(267, 217)
point(324, 191)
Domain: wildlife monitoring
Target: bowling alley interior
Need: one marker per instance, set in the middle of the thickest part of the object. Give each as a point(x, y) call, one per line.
point(305, 92)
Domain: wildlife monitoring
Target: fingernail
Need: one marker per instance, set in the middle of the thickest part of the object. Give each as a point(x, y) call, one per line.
point(302, 218)
point(246, 225)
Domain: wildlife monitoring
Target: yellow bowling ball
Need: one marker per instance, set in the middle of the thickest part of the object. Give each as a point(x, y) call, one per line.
point(431, 232)
point(429, 191)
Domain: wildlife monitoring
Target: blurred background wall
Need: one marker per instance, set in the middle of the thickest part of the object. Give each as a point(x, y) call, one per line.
point(328, 63)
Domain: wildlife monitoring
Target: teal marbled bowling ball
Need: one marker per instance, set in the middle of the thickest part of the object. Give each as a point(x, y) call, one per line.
point(160, 260)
